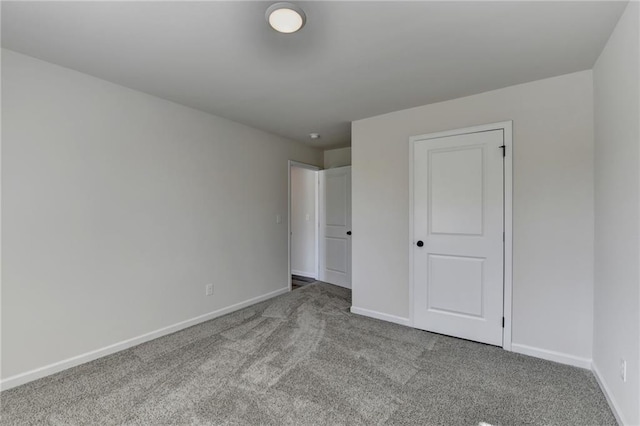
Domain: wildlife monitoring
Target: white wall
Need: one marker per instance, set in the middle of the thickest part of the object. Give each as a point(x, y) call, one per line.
point(553, 207)
point(304, 184)
point(617, 216)
point(119, 207)
point(337, 158)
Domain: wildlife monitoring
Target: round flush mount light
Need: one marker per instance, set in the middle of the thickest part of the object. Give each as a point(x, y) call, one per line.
point(285, 17)
point(314, 135)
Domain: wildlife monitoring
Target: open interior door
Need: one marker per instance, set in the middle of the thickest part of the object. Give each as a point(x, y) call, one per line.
point(335, 226)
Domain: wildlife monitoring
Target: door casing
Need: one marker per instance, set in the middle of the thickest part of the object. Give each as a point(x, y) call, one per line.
point(507, 127)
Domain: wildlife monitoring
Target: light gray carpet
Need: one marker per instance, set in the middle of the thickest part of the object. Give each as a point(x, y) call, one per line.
point(302, 358)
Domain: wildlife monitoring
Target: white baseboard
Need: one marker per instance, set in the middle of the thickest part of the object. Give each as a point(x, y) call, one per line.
point(38, 373)
point(560, 357)
point(608, 395)
point(381, 316)
point(304, 274)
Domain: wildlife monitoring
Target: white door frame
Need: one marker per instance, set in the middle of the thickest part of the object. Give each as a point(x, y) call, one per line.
point(292, 163)
point(507, 128)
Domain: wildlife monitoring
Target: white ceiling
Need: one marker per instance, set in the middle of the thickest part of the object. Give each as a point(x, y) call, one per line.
point(352, 59)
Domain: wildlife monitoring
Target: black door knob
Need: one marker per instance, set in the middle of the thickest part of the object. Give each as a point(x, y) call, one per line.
point(348, 232)
point(419, 243)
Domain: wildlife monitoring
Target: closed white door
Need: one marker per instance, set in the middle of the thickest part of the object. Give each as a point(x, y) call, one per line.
point(458, 247)
point(335, 226)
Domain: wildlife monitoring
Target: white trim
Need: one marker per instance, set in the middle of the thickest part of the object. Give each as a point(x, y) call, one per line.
point(290, 164)
point(507, 128)
point(381, 316)
point(508, 235)
point(412, 147)
point(317, 272)
point(304, 274)
point(22, 378)
point(615, 409)
point(321, 207)
point(559, 357)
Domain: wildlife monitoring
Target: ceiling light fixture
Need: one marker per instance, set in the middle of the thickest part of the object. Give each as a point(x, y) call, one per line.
point(314, 135)
point(285, 17)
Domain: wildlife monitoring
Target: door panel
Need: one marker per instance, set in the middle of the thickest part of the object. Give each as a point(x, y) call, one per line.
point(335, 222)
point(336, 255)
point(458, 214)
point(455, 284)
point(456, 191)
point(336, 205)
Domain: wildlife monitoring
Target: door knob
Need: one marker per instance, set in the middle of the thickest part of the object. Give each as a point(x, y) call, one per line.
point(419, 243)
point(348, 232)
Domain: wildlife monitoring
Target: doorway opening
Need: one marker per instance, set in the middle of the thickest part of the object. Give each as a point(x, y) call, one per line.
point(303, 224)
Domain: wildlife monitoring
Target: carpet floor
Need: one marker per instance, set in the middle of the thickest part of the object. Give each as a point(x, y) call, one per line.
point(302, 358)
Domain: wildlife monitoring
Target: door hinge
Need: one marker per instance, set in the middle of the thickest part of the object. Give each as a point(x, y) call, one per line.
point(503, 236)
point(502, 322)
point(504, 150)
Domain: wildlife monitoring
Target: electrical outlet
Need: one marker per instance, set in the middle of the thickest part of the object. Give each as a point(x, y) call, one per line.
point(208, 290)
point(623, 370)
